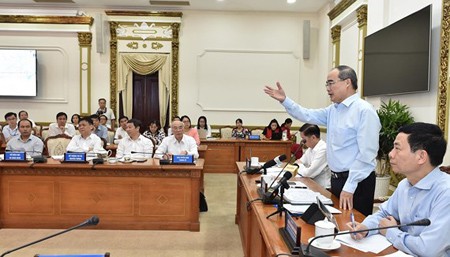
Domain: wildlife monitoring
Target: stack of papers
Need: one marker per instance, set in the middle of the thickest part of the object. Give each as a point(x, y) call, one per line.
point(300, 209)
point(375, 243)
point(304, 196)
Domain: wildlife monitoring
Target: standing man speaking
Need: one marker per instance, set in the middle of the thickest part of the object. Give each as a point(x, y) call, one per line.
point(353, 130)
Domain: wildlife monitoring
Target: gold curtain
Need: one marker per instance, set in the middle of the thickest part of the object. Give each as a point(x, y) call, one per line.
point(144, 64)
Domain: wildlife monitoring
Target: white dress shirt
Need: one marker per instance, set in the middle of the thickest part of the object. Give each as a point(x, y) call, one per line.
point(54, 130)
point(171, 145)
point(8, 133)
point(79, 144)
point(142, 145)
point(313, 164)
point(122, 133)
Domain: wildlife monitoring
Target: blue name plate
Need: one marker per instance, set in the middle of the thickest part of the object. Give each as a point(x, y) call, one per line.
point(182, 159)
point(75, 157)
point(15, 156)
point(254, 137)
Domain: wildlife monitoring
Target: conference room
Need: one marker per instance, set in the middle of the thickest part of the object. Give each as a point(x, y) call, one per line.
point(154, 60)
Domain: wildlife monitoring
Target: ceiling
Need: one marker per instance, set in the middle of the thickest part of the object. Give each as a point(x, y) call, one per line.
point(173, 5)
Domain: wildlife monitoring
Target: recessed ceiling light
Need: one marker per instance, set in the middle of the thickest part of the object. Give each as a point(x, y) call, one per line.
point(291, 1)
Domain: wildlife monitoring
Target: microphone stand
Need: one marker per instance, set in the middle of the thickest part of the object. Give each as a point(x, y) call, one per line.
point(280, 207)
point(92, 221)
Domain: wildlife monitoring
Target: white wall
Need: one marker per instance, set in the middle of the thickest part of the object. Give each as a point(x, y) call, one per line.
point(232, 56)
point(422, 105)
point(58, 74)
point(266, 47)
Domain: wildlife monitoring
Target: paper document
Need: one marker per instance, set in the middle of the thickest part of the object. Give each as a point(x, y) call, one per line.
point(375, 243)
point(58, 157)
point(297, 184)
point(299, 209)
point(397, 254)
point(304, 196)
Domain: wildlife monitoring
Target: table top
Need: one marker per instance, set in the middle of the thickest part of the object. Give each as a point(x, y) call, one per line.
point(270, 232)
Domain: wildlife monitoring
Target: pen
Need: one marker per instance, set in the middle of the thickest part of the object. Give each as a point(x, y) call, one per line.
point(352, 219)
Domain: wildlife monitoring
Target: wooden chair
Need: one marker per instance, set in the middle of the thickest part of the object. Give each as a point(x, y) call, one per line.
point(445, 169)
point(202, 133)
point(258, 132)
point(56, 145)
point(44, 133)
point(73, 255)
point(225, 132)
point(111, 134)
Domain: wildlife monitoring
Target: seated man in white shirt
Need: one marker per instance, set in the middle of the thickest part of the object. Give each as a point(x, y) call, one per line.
point(61, 126)
point(121, 130)
point(26, 142)
point(10, 130)
point(313, 163)
point(86, 141)
point(177, 144)
point(135, 145)
point(24, 115)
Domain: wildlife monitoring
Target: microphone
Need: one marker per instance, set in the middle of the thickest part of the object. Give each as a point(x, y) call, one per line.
point(91, 221)
point(283, 182)
point(132, 152)
point(277, 160)
point(314, 252)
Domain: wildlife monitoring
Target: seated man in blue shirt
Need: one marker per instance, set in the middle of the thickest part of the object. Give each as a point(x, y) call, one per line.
point(100, 130)
point(25, 141)
point(425, 193)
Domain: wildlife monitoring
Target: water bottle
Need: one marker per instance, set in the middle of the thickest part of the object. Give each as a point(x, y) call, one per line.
point(284, 137)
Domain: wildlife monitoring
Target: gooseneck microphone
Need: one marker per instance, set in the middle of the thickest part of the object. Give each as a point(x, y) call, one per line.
point(314, 252)
point(90, 222)
point(270, 194)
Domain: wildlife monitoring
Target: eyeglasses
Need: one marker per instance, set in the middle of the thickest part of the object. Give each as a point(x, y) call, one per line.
point(329, 83)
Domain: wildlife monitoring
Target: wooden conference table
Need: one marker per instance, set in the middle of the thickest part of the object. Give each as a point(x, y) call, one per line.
point(124, 196)
point(260, 236)
point(222, 154)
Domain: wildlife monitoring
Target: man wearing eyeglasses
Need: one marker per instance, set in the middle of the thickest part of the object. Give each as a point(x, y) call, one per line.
point(353, 129)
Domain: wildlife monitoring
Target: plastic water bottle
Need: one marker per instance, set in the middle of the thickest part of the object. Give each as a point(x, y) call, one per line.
point(284, 137)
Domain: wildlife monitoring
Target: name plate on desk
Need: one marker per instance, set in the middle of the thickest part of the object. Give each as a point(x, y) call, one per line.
point(183, 159)
point(291, 234)
point(15, 156)
point(254, 137)
point(75, 157)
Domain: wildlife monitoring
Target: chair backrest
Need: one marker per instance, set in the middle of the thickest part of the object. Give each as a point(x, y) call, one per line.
point(56, 145)
point(73, 255)
point(202, 133)
point(44, 133)
point(38, 130)
point(257, 131)
point(225, 132)
point(111, 135)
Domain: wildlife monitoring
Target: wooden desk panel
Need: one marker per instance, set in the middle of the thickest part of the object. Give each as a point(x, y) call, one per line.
point(124, 196)
point(222, 154)
point(254, 226)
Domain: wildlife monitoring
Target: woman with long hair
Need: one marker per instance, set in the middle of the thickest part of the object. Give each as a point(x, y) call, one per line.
point(189, 130)
point(203, 127)
point(273, 131)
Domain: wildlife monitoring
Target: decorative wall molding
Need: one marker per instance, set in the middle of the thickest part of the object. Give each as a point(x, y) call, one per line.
point(444, 77)
point(339, 8)
point(217, 90)
point(336, 47)
point(144, 32)
point(45, 23)
point(85, 42)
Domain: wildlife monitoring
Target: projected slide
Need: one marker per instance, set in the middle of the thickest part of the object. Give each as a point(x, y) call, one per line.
point(17, 72)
